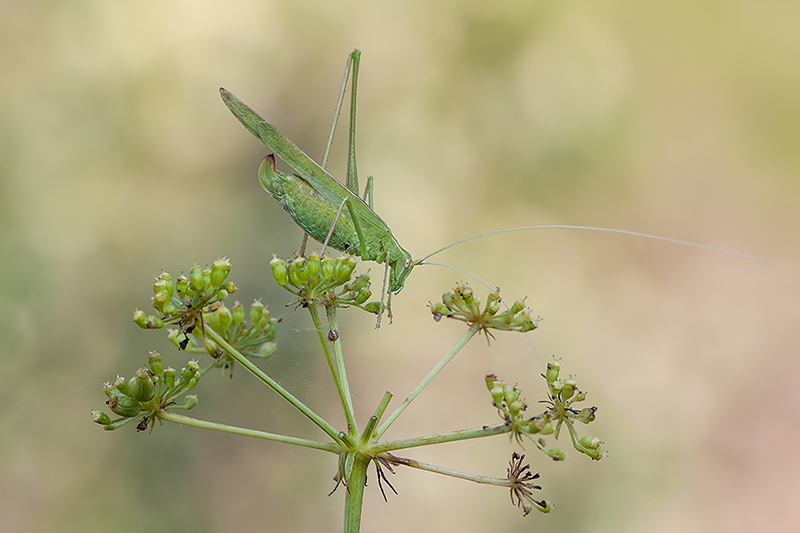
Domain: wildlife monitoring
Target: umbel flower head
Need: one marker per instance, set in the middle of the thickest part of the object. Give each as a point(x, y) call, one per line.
point(196, 302)
point(150, 390)
point(322, 280)
point(462, 304)
point(561, 411)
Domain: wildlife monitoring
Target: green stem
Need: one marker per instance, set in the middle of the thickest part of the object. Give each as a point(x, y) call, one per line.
point(341, 388)
point(354, 499)
point(194, 422)
point(347, 400)
point(286, 395)
point(502, 482)
point(438, 368)
point(452, 436)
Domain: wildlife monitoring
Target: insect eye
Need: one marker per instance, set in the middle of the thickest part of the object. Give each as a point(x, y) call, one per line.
point(407, 263)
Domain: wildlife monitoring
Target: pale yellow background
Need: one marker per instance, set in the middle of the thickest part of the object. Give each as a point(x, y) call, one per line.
point(118, 159)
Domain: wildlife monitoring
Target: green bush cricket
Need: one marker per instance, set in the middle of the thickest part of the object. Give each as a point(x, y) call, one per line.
point(315, 199)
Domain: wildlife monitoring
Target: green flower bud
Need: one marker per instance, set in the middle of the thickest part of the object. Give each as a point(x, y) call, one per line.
point(193, 382)
point(579, 397)
point(362, 296)
point(361, 282)
point(326, 269)
point(373, 307)
point(297, 272)
point(123, 405)
point(556, 387)
point(238, 313)
point(313, 265)
point(497, 395)
point(511, 394)
point(188, 372)
point(212, 348)
point(492, 308)
point(219, 272)
point(279, 272)
point(140, 318)
point(586, 415)
point(491, 381)
point(439, 310)
point(523, 323)
point(557, 454)
point(121, 384)
point(224, 318)
point(182, 286)
point(189, 401)
point(569, 389)
point(154, 361)
point(516, 407)
point(591, 443)
point(466, 294)
point(516, 307)
point(342, 269)
point(207, 279)
point(266, 350)
point(265, 321)
point(171, 307)
point(256, 312)
point(196, 277)
point(147, 322)
point(110, 389)
point(169, 377)
point(535, 424)
point(553, 368)
point(141, 386)
point(222, 294)
point(100, 417)
point(230, 287)
point(448, 301)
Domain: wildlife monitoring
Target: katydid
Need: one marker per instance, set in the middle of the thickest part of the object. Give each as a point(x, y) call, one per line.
point(316, 200)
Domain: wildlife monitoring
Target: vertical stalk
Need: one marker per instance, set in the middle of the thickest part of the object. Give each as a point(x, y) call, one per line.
point(341, 384)
point(354, 500)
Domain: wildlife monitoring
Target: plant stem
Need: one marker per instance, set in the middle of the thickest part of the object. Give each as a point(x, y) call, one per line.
point(347, 400)
point(194, 422)
point(354, 499)
point(502, 482)
point(452, 436)
point(341, 388)
point(438, 368)
point(286, 395)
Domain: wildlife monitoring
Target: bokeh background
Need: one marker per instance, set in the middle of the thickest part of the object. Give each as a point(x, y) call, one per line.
point(679, 118)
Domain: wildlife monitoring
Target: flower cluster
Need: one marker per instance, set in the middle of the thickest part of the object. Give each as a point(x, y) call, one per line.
point(563, 394)
point(462, 304)
point(183, 301)
point(322, 280)
point(252, 340)
point(149, 391)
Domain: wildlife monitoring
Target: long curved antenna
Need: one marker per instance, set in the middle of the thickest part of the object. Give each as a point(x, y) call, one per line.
point(470, 274)
point(611, 230)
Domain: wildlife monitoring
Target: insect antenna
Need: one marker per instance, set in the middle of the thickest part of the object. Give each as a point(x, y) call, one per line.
point(610, 230)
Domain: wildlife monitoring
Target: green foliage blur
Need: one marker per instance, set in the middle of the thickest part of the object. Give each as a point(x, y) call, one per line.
point(118, 159)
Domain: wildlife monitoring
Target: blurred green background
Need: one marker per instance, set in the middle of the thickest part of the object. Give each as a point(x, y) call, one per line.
point(679, 118)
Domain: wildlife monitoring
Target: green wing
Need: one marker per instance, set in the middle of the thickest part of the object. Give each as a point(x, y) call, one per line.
point(326, 185)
